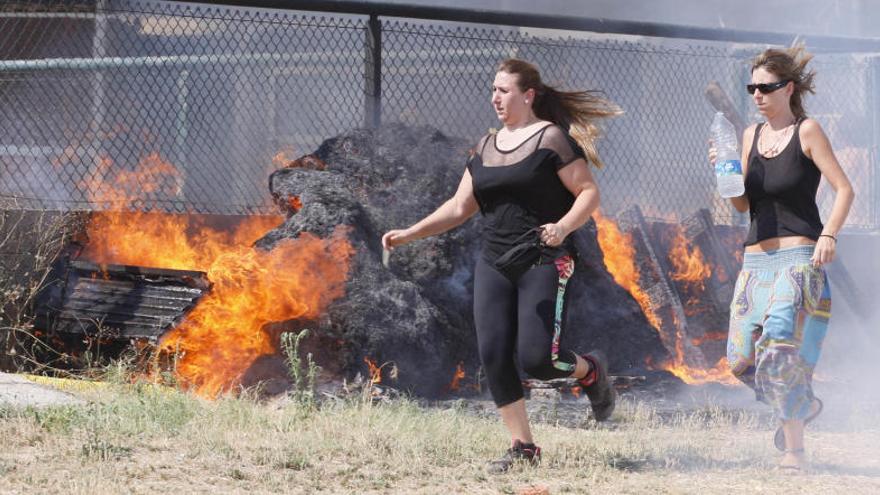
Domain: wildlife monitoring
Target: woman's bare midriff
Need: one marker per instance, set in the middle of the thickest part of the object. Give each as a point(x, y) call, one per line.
point(780, 242)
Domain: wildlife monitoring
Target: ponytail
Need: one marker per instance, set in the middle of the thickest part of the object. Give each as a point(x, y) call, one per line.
point(578, 112)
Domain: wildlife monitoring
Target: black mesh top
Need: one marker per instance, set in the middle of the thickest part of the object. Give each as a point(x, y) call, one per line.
point(782, 193)
point(520, 189)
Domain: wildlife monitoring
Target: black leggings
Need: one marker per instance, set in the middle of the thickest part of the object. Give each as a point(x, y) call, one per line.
point(518, 316)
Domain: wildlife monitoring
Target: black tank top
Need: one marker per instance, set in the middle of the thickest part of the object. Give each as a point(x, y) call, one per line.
point(782, 192)
point(520, 189)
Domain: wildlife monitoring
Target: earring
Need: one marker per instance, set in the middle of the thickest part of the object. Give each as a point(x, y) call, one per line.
point(527, 102)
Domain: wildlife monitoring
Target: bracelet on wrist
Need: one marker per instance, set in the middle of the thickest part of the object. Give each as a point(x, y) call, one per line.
point(828, 235)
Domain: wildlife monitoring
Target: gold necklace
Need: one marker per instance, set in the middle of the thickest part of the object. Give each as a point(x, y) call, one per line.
point(777, 146)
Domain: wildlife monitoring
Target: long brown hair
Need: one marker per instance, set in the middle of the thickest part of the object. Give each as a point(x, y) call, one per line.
point(576, 111)
point(789, 64)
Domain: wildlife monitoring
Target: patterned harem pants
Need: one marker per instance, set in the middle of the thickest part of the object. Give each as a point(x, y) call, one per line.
point(778, 320)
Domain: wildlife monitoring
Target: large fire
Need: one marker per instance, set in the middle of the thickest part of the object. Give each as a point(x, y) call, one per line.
point(620, 259)
point(693, 375)
point(690, 268)
point(224, 334)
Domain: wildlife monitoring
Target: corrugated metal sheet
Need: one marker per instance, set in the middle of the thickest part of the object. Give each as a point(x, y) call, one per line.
point(120, 301)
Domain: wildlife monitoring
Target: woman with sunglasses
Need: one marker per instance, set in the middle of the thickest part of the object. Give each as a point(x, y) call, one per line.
point(531, 182)
point(782, 300)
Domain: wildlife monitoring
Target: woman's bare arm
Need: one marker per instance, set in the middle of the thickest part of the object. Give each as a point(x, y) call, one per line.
point(454, 212)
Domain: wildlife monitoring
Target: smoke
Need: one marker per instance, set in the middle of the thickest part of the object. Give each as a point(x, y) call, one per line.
point(27, 175)
point(845, 373)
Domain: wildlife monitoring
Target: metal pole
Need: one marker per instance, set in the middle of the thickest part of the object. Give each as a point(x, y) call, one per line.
point(181, 129)
point(99, 51)
point(373, 73)
point(163, 61)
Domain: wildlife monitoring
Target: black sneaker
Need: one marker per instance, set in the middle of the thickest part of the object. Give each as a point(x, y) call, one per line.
point(520, 452)
point(598, 387)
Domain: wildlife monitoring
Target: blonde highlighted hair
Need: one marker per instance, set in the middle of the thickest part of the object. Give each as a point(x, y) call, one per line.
point(576, 111)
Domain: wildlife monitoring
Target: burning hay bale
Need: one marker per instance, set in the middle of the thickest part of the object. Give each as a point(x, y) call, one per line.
point(417, 313)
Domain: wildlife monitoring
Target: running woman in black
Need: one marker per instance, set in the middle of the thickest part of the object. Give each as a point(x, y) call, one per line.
point(531, 182)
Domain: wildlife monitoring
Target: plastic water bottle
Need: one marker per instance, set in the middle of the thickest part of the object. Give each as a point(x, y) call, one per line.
point(728, 169)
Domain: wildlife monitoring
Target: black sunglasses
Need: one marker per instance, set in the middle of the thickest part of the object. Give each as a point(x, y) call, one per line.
point(765, 88)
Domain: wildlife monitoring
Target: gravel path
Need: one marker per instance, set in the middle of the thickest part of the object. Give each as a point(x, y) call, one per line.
point(18, 391)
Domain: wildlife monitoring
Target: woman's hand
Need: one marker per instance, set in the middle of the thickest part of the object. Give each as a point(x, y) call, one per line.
point(552, 234)
point(824, 251)
point(394, 238)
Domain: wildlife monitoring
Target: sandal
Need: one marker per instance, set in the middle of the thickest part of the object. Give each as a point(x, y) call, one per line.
point(779, 437)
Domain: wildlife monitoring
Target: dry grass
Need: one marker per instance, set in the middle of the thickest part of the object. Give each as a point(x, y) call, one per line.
point(30, 243)
point(142, 439)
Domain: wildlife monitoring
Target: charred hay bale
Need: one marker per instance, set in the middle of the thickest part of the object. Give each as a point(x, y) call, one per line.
point(418, 312)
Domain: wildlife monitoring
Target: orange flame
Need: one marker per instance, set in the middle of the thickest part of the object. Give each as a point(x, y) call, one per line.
point(295, 203)
point(576, 391)
point(457, 377)
point(283, 157)
point(709, 336)
point(690, 267)
point(688, 264)
point(223, 335)
point(693, 376)
point(375, 371)
point(619, 254)
point(124, 189)
point(720, 373)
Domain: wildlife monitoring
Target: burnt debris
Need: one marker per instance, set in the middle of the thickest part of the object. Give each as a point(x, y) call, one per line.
point(417, 313)
point(119, 302)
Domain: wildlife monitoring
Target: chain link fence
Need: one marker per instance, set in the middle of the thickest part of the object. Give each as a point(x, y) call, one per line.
point(208, 100)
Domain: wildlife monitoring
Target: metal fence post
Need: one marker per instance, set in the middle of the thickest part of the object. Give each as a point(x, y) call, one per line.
point(99, 105)
point(180, 121)
point(373, 73)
